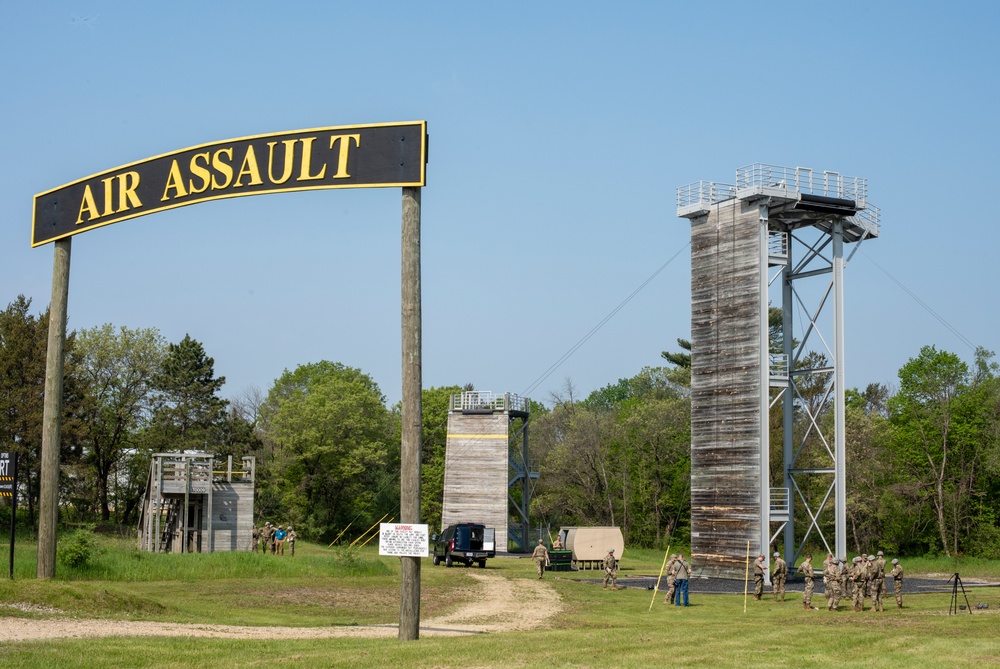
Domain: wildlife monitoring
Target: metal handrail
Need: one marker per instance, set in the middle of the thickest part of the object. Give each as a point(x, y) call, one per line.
point(778, 363)
point(486, 400)
point(704, 193)
point(868, 218)
point(780, 500)
point(758, 176)
point(777, 244)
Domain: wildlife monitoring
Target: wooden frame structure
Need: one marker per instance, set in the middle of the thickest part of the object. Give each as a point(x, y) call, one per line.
point(190, 507)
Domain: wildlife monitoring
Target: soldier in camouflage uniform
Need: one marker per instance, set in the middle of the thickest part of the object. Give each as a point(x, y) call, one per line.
point(868, 562)
point(845, 579)
point(610, 570)
point(878, 581)
point(859, 573)
point(778, 575)
point(806, 569)
point(897, 581)
point(271, 531)
point(759, 567)
point(671, 580)
point(826, 579)
point(831, 577)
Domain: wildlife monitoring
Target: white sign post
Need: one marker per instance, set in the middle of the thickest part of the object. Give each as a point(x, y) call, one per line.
point(403, 540)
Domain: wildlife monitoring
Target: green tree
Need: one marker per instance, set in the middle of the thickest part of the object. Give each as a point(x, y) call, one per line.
point(189, 413)
point(943, 435)
point(619, 457)
point(116, 367)
point(23, 338)
point(679, 359)
point(330, 454)
point(435, 403)
point(23, 342)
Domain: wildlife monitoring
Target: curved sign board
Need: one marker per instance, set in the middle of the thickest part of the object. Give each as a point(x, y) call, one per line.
point(360, 156)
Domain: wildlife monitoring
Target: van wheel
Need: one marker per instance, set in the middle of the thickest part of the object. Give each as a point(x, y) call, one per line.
point(447, 561)
point(436, 560)
point(482, 563)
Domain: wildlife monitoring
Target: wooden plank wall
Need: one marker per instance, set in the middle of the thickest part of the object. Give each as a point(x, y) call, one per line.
point(476, 471)
point(232, 519)
point(725, 388)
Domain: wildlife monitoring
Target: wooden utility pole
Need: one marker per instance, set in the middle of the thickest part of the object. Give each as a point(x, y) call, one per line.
point(48, 497)
point(409, 477)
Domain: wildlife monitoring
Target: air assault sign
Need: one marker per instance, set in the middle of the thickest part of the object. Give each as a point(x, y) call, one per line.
point(364, 156)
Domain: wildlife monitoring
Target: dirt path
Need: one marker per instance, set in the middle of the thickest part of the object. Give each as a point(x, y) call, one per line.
point(498, 605)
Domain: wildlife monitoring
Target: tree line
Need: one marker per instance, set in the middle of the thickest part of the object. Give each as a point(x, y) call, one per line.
point(923, 458)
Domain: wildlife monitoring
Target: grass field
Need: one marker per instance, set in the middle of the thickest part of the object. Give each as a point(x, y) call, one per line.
point(595, 628)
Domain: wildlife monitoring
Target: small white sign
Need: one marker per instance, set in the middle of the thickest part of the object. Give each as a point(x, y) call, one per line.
point(403, 540)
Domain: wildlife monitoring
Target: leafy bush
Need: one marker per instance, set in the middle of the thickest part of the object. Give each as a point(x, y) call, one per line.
point(984, 541)
point(77, 551)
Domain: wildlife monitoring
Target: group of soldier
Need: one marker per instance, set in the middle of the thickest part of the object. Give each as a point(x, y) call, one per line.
point(864, 578)
point(610, 564)
point(271, 539)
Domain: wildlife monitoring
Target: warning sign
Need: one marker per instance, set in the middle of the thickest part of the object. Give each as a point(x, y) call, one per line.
point(6, 474)
point(402, 540)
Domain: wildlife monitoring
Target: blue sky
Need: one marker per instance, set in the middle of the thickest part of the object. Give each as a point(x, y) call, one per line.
point(559, 134)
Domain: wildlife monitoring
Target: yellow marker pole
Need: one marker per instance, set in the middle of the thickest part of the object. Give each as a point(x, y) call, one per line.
point(341, 533)
point(365, 533)
point(657, 588)
point(375, 534)
point(746, 579)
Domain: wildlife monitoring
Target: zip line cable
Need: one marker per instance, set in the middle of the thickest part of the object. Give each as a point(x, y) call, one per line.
point(962, 338)
point(565, 356)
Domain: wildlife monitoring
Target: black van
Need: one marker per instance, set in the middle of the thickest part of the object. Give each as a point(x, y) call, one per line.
point(465, 543)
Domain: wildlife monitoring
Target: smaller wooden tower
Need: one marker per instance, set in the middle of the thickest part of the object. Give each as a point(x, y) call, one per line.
point(190, 507)
point(488, 476)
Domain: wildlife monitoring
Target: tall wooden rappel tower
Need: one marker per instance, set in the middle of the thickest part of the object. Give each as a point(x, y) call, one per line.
point(488, 476)
point(775, 238)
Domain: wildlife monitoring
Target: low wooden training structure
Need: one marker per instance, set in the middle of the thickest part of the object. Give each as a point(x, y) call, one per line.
point(190, 506)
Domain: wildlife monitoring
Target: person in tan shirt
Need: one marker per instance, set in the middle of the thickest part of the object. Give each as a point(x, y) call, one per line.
point(541, 557)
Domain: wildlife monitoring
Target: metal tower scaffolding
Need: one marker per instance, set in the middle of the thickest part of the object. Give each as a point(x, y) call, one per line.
point(782, 227)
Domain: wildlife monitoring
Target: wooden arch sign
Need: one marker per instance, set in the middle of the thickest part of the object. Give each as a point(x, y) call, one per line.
point(359, 156)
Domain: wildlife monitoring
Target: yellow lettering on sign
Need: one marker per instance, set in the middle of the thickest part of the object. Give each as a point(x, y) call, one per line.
point(201, 172)
point(108, 204)
point(289, 158)
point(174, 181)
point(87, 206)
point(225, 168)
point(127, 183)
point(249, 168)
point(345, 146)
point(307, 159)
